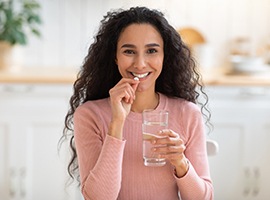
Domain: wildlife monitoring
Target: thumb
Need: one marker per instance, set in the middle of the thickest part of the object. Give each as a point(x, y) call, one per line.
point(135, 85)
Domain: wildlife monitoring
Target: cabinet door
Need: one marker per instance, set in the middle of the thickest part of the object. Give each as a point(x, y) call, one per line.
point(32, 118)
point(46, 167)
point(227, 170)
point(241, 119)
point(4, 181)
point(257, 128)
point(262, 161)
point(259, 160)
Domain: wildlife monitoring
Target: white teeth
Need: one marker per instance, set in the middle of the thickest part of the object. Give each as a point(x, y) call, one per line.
point(136, 78)
point(140, 75)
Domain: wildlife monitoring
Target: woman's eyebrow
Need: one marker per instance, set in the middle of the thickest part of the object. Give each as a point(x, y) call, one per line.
point(153, 45)
point(128, 46)
point(133, 46)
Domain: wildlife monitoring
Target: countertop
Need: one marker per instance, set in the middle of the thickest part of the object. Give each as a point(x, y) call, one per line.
point(64, 75)
point(227, 78)
point(48, 75)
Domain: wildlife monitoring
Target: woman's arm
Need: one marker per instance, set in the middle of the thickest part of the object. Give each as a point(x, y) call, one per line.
point(99, 158)
point(196, 184)
point(186, 151)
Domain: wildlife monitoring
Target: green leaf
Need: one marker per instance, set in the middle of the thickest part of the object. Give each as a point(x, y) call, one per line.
point(15, 25)
point(35, 32)
point(20, 37)
point(34, 19)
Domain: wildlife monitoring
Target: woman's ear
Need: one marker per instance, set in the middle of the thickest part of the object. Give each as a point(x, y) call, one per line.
point(116, 62)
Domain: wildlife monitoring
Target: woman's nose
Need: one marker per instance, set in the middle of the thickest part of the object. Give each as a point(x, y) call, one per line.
point(140, 62)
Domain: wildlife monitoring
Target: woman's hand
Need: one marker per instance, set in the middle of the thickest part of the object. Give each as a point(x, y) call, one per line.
point(122, 96)
point(170, 146)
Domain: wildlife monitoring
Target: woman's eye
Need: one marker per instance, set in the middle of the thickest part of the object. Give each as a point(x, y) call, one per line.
point(129, 51)
point(151, 51)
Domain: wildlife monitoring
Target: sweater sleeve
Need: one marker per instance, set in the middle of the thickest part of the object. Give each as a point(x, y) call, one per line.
point(196, 184)
point(99, 157)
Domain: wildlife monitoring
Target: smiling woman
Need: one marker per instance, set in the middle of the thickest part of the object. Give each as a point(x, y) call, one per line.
point(142, 58)
point(137, 62)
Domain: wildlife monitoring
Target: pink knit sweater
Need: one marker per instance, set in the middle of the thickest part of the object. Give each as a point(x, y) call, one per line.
point(113, 169)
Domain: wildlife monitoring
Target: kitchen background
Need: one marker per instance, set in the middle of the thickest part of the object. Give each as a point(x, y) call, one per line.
point(69, 25)
point(34, 96)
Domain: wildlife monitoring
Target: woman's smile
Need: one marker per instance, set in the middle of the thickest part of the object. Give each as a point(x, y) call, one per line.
point(140, 76)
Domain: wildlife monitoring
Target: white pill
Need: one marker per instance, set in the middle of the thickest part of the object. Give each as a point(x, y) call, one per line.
point(136, 78)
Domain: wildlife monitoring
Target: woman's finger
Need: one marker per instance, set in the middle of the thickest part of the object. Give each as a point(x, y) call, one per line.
point(168, 132)
point(173, 157)
point(169, 149)
point(168, 137)
point(123, 90)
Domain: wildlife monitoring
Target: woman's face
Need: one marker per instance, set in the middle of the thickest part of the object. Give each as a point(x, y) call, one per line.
point(140, 54)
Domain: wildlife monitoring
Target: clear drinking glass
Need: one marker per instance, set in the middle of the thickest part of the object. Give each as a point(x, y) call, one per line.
point(153, 122)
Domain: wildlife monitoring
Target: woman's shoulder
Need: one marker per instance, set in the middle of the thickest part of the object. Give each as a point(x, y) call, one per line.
point(180, 104)
point(94, 106)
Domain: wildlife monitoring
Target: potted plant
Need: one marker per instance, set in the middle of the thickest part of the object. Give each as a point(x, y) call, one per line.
point(18, 19)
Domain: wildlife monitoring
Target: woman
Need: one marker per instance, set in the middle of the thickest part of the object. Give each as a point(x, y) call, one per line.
point(106, 111)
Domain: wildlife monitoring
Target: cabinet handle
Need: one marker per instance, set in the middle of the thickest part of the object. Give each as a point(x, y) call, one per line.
point(251, 92)
point(247, 187)
point(256, 189)
point(22, 182)
point(252, 180)
point(18, 88)
point(12, 183)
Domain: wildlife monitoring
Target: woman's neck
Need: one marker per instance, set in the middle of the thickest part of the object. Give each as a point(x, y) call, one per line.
point(145, 100)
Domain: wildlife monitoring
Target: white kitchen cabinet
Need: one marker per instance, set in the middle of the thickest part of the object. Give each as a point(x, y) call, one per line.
point(31, 123)
point(241, 120)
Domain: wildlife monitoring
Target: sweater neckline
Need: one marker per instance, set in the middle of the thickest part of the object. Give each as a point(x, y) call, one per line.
point(160, 106)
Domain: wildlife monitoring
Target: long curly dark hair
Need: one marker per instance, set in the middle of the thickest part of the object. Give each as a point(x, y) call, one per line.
point(179, 76)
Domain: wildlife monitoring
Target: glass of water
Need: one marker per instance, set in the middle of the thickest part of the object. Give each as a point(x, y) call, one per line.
point(153, 122)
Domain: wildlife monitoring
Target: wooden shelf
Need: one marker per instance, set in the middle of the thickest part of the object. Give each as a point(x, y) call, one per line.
point(68, 76)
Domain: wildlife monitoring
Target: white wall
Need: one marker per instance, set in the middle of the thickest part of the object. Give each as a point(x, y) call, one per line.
point(69, 25)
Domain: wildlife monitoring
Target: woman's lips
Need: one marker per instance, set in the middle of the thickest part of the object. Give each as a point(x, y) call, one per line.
point(140, 75)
